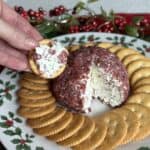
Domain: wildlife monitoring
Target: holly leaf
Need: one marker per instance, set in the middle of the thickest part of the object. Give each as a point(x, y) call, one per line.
point(18, 120)
point(19, 147)
point(1, 90)
point(11, 114)
point(1, 102)
point(79, 7)
point(26, 147)
point(137, 19)
point(103, 12)
point(18, 131)
point(3, 125)
point(144, 148)
point(8, 96)
point(29, 141)
point(15, 141)
point(92, 1)
point(9, 132)
point(32, 136)
point(39, 148)
point(4, 118)
point(131, 30)
point(1, 82)
point(11, 87)
point(7, 83)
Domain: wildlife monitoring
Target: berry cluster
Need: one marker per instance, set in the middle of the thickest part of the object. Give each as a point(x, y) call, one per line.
point(57, 11)
point(31, 15)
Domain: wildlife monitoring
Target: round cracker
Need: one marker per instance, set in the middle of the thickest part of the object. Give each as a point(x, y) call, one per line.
point(143, 81)
point(34, 78)
point(115, 48)
point(139, 74)
point(36, 103)
point(130, 58)
point(29, 112)
point(142, 89)
point(80, 136)
point(104, 45)
point(70, 130)
point(137, 64)
point(132, 122)
point(74, 47)
point(32, 95)
point(143, 115)
point(123, 52)
point(117, 129)
point(48, 119)
point(140, 98)
point(95, 139)
point(33, 86)
point(55, 127)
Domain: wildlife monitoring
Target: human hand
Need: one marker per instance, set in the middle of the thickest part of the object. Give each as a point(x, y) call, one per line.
point(17, 37)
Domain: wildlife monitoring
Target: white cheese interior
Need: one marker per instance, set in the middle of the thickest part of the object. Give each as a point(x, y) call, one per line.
point(97, 88)
point(49, 63)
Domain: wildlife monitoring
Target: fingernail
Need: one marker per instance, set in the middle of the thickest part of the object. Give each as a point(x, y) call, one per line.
point(31, 43)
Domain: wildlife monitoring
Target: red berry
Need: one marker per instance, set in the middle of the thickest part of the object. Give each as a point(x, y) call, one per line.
point(37, 14)
point(9, 123)
point(31, 12)
point(74, 29)
point(145, 22)
point(19, 9)
point(22, 141)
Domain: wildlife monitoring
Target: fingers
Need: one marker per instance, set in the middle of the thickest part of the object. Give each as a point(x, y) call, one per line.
point(9, 61)
point(12, 58)
point(20, 22)
point(15, 37)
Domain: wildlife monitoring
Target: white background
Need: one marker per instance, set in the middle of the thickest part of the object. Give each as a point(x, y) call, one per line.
point(140, 6)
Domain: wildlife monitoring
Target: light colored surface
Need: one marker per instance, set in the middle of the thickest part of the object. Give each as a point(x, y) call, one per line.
point(97, 108)
point(116, 5)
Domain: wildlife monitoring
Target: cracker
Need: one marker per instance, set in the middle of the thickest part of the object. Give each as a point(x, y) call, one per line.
point(74, 47)
point(117, 129)
point(56, 126)
point(104, 45)
point(73, 128)
point(140, 98)
point(123, 52)
point(130, 58)
point(142, 89)
point(88, 44)
point(28, 112)
point(31, 95)
point(36, 103)
point(132, 122)
point(84, 133)
point(143, 115)
point(115, 48)
point(137, 64)
point(48, 119)
point(139, 74)
point(95, 139)
point(143, 81)
point(33, 86)
point(34, 78)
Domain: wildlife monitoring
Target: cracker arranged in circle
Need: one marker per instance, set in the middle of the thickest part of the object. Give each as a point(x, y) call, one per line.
point(143, 81)
point(34, 78)
point(94, 140)
point(55, 127)
point(143, 114)
point(115, 48)
point(80, 136)
point(32, 95)
point(33, 86)
point(73, 47)
point(140, 98)
point(104, 45)
point(142, 89)
point(137, 64)
point(49, 59)
point(117, 129)
point(36, 103)
point(123, 52)
point(139, 74)
point(70, 130)
point(130, 58)
point(88, 44)
point(132, 122)
point(47, 119)
point(28, 112)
